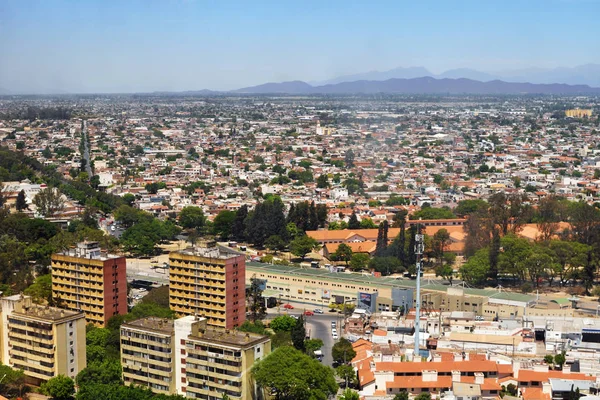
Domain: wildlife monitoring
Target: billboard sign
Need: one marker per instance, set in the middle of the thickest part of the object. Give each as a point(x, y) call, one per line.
point(326, 294)
point(364, 300)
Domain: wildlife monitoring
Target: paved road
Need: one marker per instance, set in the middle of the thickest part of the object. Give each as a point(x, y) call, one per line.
point(319, 324)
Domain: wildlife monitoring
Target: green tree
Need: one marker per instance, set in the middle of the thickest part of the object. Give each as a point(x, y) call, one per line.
point(549, 359)
point(403, 395)
point(21, 203)
point(298, 334)
point(323, 181)
point(283, 323)
point(223, 224)
point(289, 374)
point(433, 213)
point(312, 345)
point(446, 272)
point(559, 360)
point(347, 374)
point(359, 261)
point(129, 199)
point(302, 245)
point(423, 396)
point(343, 253)
point(49, 202)
point(386, 265)
point(349, 394)
point(353, 222)
point(60, 387)
point(41, 289)
point(192, 218)
point(467, 207)
point(342, 352)
point(275, 243)
point(253, 327)
point(100, 371)
point(476, 270)
point(256, 301)
point(367, 223)
point(12, 382)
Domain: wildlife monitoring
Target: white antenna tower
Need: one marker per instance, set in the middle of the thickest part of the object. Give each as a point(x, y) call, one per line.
point(418, 252)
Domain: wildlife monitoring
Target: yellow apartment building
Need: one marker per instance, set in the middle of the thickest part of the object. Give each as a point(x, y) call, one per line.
point(578, 113)
point(208, 281)
point(148, 354)
point(43, 341)
point(87, 279)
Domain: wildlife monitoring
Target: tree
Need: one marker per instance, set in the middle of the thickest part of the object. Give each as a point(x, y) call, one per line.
point(382, 238)
point(290, 375)
point(349, 159)
point(323, 181)
point(283, 323)
point(549, 359)
point(440, 240)
point(559, 360)
point(129, 199)
point(267, 219)
point(467, 207)
point(312, 345)
point(60, 387)
point(475, 271)
point(49, 201)
point(253, 327)
point(192, 218)
point(238, 228)
point(550, 212)
point(12, 382)
point(512, 260)
point(223, 224)
point(359, 261)
point(347, 374)
point(342, 352)
point(41, 289)
point(256, 302)
point(302, 245)
point(433, 213)
point(275, 243)
point(424, 396)
point(349, 394)
point(100, 371)
point(21, 203)
point(403, 395)
point(298, 334)
point(367, 223)
point(353, 222)
point(343, 253)
point(446, 272)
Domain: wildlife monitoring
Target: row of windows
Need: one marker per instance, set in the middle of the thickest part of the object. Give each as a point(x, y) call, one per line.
point(144, 336)
point(146, 355)
point(308, 282)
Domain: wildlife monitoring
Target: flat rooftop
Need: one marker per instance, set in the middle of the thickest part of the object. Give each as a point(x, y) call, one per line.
point(215, 252)
point(47, 313)
point(161, 325)
point(230, 337)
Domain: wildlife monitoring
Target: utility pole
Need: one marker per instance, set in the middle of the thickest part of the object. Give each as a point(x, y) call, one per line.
point(418, 253)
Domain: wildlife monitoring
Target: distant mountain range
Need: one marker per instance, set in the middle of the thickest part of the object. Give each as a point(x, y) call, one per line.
point(423, 85)
point(588, 74)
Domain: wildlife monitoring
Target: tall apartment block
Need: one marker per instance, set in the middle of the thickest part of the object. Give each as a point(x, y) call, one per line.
point(43, 341)
point(209, 281)
point(90, 280)
point(148, 354)
point(190, 358)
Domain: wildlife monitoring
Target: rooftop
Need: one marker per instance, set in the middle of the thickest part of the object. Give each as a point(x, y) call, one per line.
point(230, 337)
point(162, 325)
point(48, 313)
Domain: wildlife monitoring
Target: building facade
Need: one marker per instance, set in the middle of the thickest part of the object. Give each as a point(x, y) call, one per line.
point(148, 354)
point(43, 341)
point(89, 280)
point(209, 281)
point(190, 358)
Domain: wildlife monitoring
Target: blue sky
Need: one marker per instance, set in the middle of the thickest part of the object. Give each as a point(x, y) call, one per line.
point(125, 46)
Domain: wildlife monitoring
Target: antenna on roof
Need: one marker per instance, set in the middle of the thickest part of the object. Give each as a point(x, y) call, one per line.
point(418, 252)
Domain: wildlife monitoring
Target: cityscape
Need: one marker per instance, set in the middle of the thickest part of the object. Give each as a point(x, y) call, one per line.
point(284, 225)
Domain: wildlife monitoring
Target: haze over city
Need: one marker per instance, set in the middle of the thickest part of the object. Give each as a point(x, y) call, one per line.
point(145, 46)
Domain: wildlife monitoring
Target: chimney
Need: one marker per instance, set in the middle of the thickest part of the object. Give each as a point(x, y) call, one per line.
point(516, 367)
point(479, 378)
point(546, 388)
point(455, 376)
point(566, 368)
point(437, 357)
point(458, 357)
point(429, 375)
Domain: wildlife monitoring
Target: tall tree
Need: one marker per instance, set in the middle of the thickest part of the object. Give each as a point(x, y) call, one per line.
point(49, 202)
point(256, 301)
point(353, 223)
point(238, 227)
point(21, 203)
point(302, 245)
point(342, 352)
point(299, 334)
point(549, 213)
point(343, 253)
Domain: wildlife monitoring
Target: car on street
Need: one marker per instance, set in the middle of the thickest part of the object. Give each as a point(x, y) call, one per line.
point(318, 311)
point(288, 306)
point(309, 313)
point(334, 331)
point(335, 336)
point(333, 325)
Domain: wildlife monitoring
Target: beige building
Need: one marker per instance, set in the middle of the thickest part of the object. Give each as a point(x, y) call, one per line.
point(43, 341)
point(219, 362)
point(210, 282)
point(578, 113)
point(148, 354)
point(190, 358)
point(89, 280)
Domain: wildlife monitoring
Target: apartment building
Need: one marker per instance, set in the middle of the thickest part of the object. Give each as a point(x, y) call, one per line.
point(209, 281)
point(43, 341)
point(190, 358)
point(87, 279)
point(148, 354)
point(219, 361)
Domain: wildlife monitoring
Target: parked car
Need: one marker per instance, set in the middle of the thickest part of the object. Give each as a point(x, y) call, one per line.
point(335, 336)
point(288, 306)
point(318, 311)
point(333, 325)
point(309, 313)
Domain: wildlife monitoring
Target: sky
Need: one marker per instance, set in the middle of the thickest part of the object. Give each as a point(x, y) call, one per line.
point(108, 46)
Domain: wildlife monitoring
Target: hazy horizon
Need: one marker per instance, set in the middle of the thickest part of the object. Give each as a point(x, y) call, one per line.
point(177, 45)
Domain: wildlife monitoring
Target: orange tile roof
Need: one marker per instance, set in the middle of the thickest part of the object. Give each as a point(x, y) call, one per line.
point(440, 366)
point(534, 394)
point(526, 375)
point(357, 247)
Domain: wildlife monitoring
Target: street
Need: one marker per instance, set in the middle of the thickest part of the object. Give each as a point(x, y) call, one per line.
point(319, 325)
